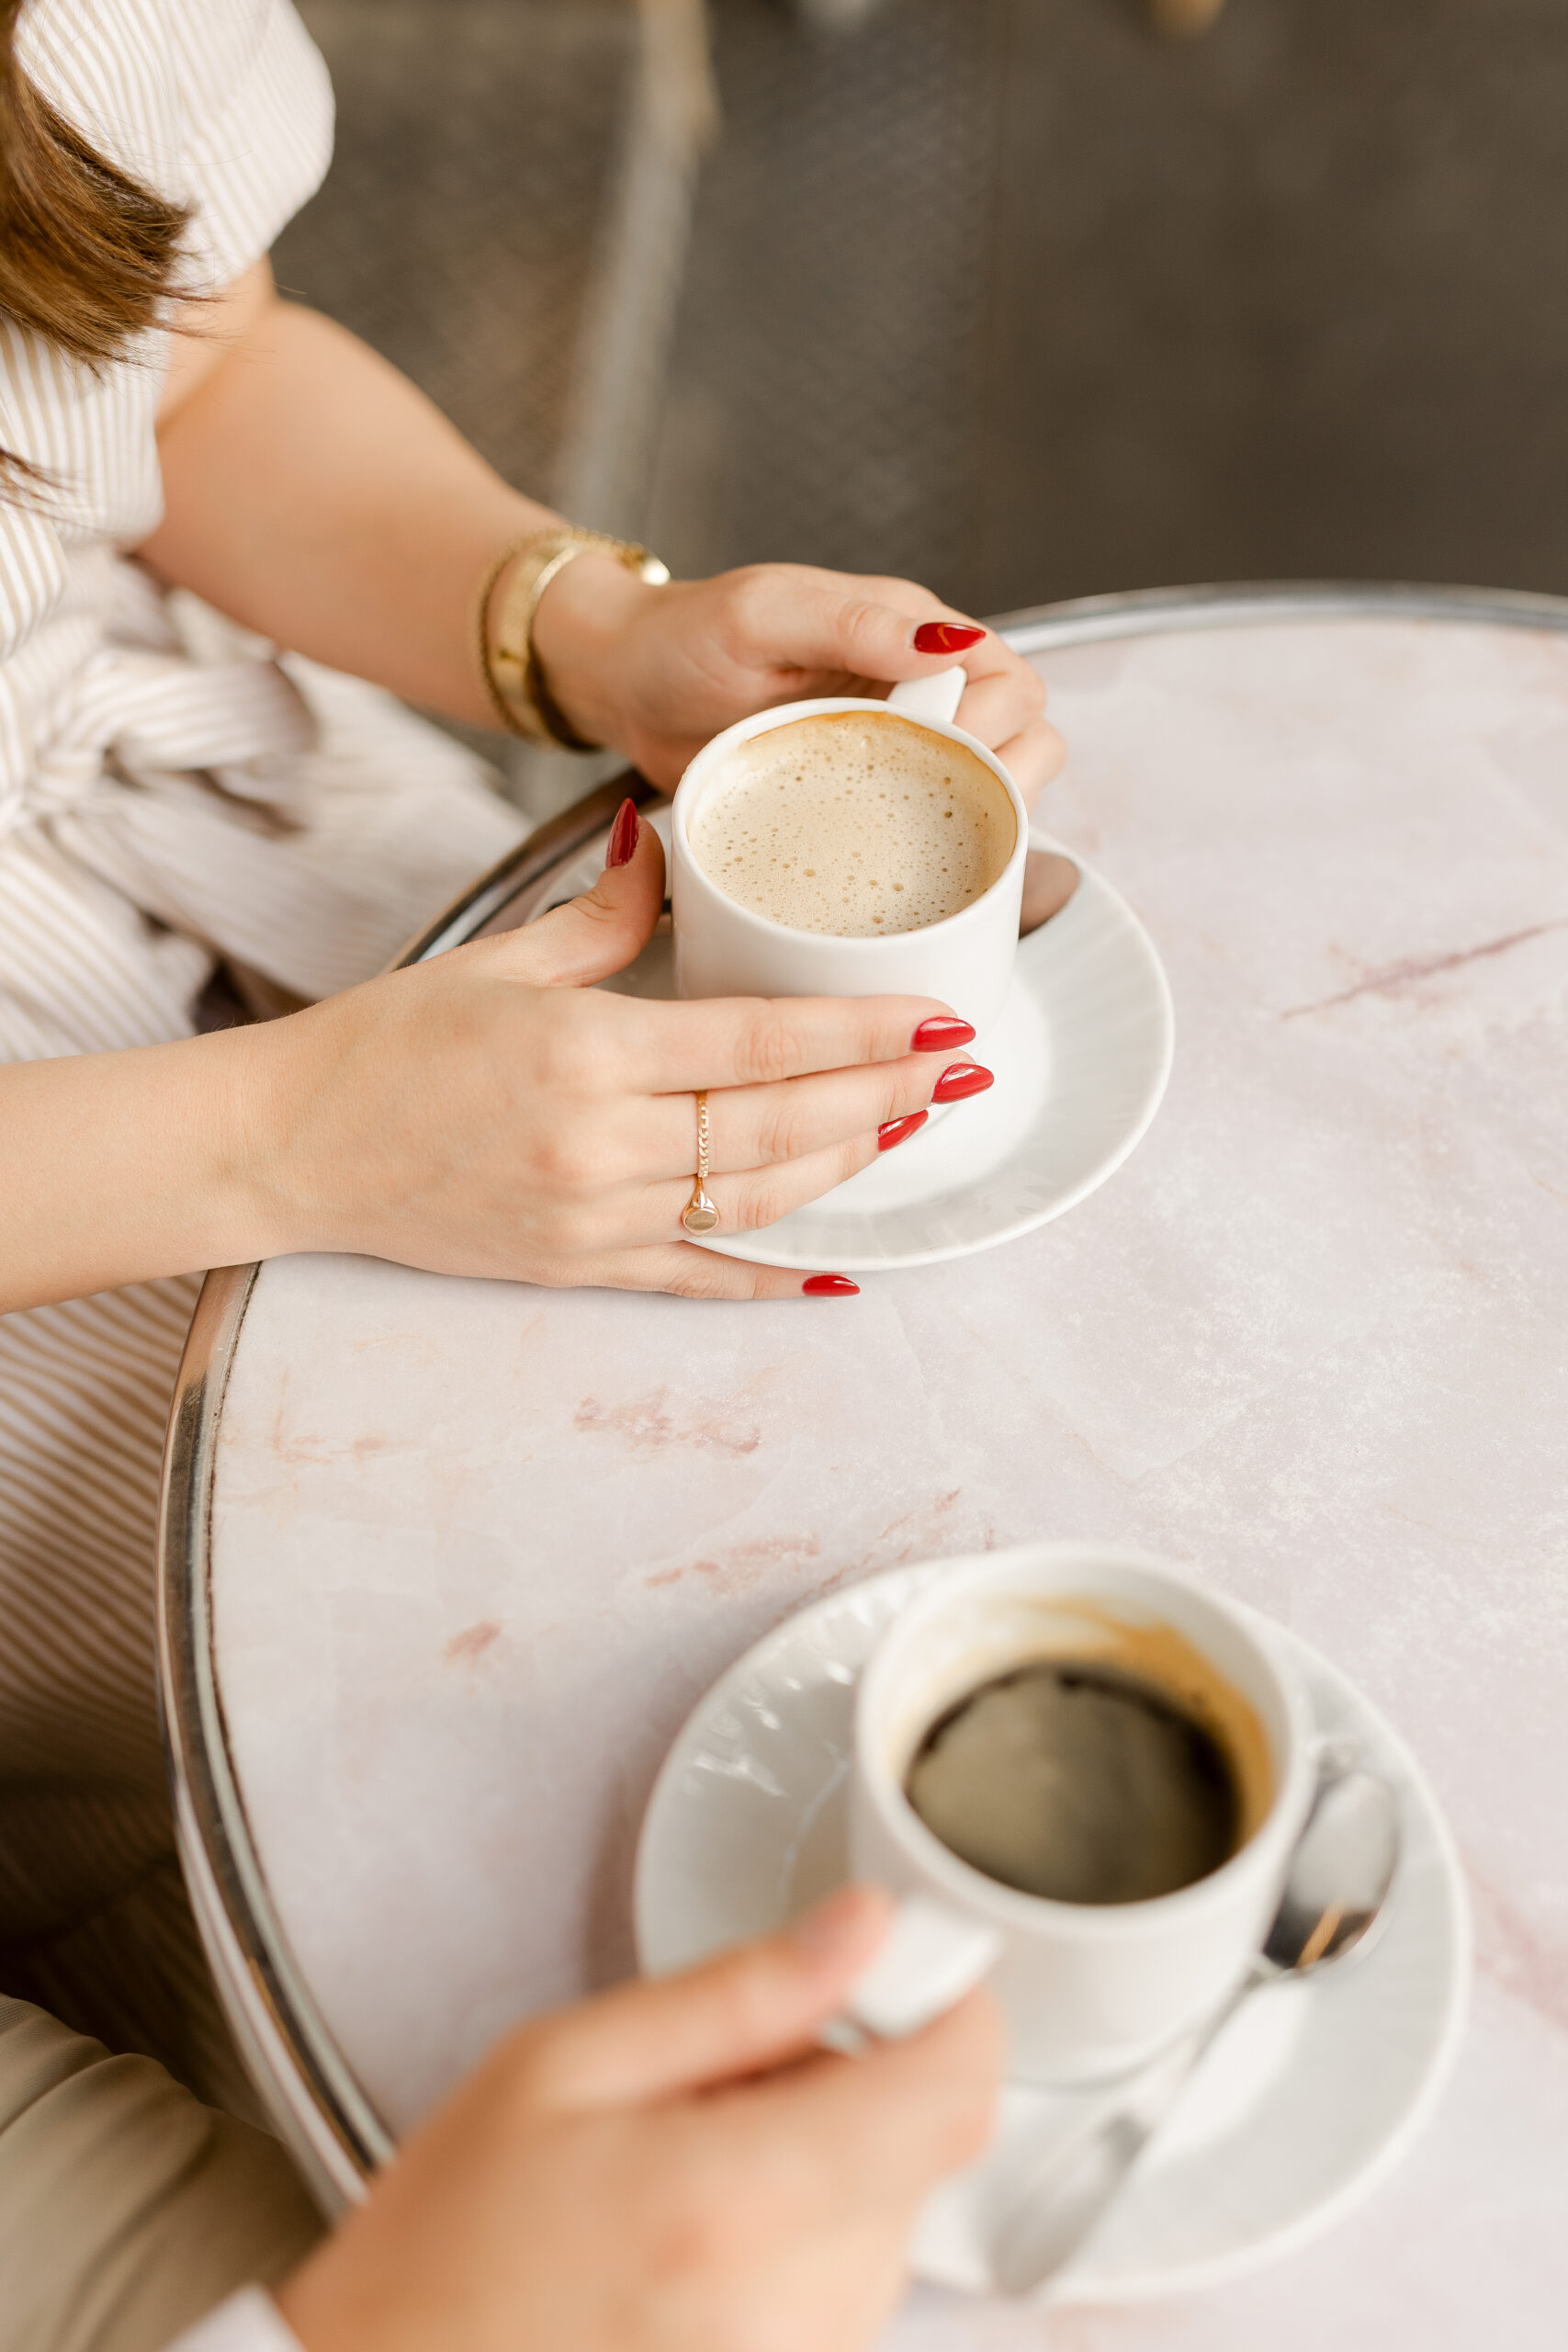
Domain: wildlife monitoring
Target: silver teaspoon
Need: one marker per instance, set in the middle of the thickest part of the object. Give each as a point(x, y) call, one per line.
point(1334, 1891)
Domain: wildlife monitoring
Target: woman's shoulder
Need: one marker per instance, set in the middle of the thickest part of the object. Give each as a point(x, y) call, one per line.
point(224, 104)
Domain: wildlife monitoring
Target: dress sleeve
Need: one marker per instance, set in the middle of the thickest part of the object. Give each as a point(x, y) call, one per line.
point(223, 105)
point(258, 127)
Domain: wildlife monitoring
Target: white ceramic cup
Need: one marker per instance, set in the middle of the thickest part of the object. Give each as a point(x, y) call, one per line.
point(1088, 1990)
point(725, 949)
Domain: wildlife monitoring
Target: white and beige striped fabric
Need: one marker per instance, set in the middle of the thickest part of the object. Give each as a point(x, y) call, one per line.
point(170, 794)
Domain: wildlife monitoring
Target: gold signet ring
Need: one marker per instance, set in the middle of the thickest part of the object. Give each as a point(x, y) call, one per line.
point(699, 1216)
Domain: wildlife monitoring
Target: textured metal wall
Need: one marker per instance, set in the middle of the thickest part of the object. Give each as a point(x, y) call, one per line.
point(1007, 294)
point(831, 367)
point(477, 142)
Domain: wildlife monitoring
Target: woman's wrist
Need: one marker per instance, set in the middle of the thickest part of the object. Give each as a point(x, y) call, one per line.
point(125, 1167)
point(208, 1145)
point(580, 629)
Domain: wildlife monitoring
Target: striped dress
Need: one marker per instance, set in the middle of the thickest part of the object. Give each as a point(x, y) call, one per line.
point(173, 794)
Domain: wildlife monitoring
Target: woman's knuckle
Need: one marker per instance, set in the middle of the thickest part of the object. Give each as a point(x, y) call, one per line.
point(899, 1092)
point(762, 1201)
point(704, 1276)
point(561, 1161)
point(768, 1052)
point(751, 600)
point(861, 623)
point(858, 1153)
point(779, 1131)
point(537, 2068)
point(552, 1061)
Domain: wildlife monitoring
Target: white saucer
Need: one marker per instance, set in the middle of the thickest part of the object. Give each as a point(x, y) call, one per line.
point(1303, 2103)
point(1081, 1054)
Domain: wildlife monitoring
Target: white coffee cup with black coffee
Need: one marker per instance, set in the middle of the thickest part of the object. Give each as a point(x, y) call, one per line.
point(846, 847)
point(1102, 1760)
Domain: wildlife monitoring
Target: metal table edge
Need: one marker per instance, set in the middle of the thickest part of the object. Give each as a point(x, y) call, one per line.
point(1152, 612)
point(320, 2109)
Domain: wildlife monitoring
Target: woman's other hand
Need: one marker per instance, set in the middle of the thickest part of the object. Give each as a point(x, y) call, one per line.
point(672, 2167)
point(658, 671)
point(490, 1113)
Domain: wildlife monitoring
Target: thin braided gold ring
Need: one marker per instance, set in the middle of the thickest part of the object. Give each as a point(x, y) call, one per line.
point(700, 1216)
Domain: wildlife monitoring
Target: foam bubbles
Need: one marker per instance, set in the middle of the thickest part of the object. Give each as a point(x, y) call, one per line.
point(852, 824)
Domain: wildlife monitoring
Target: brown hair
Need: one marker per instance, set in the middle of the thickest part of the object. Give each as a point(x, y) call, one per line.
point(87, 253)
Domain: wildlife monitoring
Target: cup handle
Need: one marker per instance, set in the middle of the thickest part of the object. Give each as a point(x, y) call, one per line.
point(927, 1961)
point(929, 699)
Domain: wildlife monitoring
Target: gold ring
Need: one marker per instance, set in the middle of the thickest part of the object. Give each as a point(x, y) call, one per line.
point(699, 1216)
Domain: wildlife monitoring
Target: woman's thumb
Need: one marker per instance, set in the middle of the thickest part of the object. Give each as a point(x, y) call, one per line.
point(608, 926)
point(752, 2008)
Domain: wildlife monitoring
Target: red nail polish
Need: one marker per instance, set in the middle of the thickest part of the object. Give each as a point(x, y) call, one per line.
point(942, 1034)
point(946, 637)
point(894, 1131)
point(829, 1287)
point(624, 836)
point(962, 1079)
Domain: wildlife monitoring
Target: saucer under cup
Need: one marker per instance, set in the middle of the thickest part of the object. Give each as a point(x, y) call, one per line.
point(1308, 2097)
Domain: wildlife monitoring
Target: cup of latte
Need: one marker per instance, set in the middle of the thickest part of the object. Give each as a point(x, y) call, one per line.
point(844, 847)
point(1088, 1752)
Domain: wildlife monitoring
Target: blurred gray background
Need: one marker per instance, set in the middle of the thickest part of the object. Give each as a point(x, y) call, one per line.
point(1011, 295)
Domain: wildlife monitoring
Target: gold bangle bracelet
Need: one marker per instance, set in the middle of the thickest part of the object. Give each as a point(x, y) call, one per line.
point(507, 663)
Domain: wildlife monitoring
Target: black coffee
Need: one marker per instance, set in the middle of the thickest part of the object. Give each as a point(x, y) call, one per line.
point(1081, 1782)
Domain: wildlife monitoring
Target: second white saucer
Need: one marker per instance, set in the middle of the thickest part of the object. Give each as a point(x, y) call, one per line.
point(1306, 2100)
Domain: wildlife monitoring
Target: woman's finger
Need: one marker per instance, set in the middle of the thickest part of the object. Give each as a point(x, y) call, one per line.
point(600, 932)
point(1033, 759)
point(759, 1126)
point(789, 616)
point(1002, 705)
point(639, 1215)
point(670, 1047)
point(752, 1198)
point(755, 2007)
point(686, 1271)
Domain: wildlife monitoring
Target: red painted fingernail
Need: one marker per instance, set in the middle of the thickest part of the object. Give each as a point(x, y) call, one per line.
point(946, 637)
point(964, 1078)
point(893, 1131)
point(940, 1034)
point(829, 1287)
point(624, 835)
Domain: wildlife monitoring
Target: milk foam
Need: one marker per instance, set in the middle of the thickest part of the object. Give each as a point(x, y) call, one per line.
point(852, 824)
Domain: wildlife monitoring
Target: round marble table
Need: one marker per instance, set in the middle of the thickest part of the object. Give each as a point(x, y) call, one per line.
point(447, 1563)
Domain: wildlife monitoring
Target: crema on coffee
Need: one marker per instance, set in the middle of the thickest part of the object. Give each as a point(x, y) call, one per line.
point(854, 823)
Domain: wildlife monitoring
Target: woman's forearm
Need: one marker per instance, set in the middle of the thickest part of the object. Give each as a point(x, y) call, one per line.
point(312, 494)
point(121, 1167)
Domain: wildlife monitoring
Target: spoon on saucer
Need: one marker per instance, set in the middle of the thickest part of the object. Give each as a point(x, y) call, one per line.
point(1333, 1900)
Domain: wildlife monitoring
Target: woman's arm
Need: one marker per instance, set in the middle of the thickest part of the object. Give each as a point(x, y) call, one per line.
point(313, 494)
point(121, 1167)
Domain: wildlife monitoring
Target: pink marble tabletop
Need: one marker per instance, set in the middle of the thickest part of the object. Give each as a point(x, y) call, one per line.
point(477, 1549)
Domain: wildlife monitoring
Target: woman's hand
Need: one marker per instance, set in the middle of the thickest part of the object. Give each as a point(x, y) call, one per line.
point(673, 2167)
point(489, 1112)
point(658, 671)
